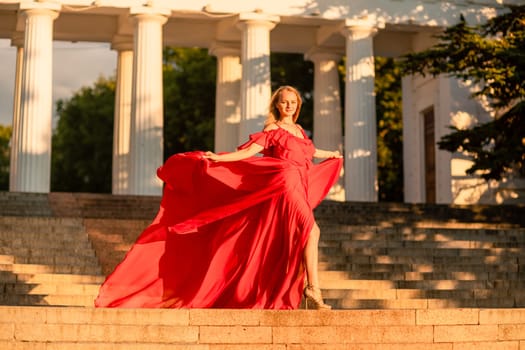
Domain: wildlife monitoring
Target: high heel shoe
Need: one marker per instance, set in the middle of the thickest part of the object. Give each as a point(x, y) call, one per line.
point(313, 294)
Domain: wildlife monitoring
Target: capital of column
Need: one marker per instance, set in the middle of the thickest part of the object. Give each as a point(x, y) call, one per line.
point(319, 53)
point(150, 13)
point(122, 43)
point(41, 7)
point(257, 18)
point(221, 48)
point(361, 28)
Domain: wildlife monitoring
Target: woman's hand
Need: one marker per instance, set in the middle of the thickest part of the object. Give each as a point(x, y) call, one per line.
point(211, 156)
point(334, 154)
point(319, 153)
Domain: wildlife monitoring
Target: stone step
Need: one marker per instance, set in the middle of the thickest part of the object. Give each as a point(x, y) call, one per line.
point(346, 232)
point(59, 269)
point(25, 251)
point(201, 329)
point(407, 244)
point(429, 252)
point(421, 276)
point(60, 278)
point(477, 267)
point(52, 260)
point(49, 289)
point(364, 257)
point(46, 300)
point(39, 223)
point(452, 294)
point(421, 285)
point(401, 304)
point(38, 238)
point(59, 260)
point(404, 214)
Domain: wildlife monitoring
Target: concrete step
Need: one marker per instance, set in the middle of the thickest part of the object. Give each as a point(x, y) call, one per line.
point(338, 232)
point(413, 244)
point(451, 294)
point(409, 304)
point(60, 278)
point(415, 247)
point(365, 257)
point(41, 239)
point(89, 328)
point(46, 300)
point(49, 289)
point(51, 260)
point(477, 267)
point(34, 244)
point(39, 223)
point(46, 269)
point(421, 285)
point(32, 248)
point(350, 249)
point(421, 276)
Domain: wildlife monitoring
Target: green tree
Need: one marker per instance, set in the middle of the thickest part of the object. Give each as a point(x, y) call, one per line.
point(82, 142)
point(492, 56)
point(189, 100)
point(5, 137)
point(389, 129)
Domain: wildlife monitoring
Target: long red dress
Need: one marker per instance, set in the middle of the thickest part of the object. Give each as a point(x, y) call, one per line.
point(227, 234)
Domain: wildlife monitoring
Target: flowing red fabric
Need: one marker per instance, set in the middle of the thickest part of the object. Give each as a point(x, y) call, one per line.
point(227, 234)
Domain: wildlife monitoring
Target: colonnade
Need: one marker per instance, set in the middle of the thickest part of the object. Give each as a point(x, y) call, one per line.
point(243, 92)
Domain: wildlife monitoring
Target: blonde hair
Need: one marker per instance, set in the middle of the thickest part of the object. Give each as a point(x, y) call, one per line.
point(273, 111)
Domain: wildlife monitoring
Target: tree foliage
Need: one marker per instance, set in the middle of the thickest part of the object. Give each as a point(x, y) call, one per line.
point(492, 56)
point(5, 136)
point(82, 142)
point(389, 129)
point(189, 100)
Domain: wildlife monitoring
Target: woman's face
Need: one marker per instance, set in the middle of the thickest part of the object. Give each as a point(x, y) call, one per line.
point(287, 104)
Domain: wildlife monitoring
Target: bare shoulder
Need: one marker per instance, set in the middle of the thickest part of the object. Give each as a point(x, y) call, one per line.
point(270, 127)
point(299, 126)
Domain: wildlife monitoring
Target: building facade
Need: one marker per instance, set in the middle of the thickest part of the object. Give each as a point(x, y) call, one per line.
point(242, 35)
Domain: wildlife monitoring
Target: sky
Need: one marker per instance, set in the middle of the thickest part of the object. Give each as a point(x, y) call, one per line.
point(75, 65)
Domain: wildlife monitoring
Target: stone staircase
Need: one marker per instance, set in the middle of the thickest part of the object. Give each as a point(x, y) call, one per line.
point(55, 249)
point(399, 277)
point(47, 255)
point(47, 261)
point(419, 268)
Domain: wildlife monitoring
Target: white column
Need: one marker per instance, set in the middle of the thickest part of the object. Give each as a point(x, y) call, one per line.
point(122, 118)
point(146, 141)
point(18, 42)
point(360, 116)
point(227, 97)
point(256, 87)
point(32, 167)
point(328, 133)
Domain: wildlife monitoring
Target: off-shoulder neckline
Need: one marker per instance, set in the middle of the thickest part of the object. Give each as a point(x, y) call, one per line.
point(305, 137)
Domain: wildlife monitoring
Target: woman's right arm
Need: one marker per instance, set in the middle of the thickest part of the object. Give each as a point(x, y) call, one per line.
point(244, 153)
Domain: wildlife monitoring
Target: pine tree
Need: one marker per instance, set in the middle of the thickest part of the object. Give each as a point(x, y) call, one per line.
point(491, 55)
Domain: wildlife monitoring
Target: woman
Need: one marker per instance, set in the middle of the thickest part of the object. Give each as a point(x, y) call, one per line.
point(233, 230)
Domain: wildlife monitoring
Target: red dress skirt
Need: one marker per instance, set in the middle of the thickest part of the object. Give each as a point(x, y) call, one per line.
point(227, 234)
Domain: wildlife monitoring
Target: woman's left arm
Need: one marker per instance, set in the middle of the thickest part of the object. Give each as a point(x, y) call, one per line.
point(319, 153)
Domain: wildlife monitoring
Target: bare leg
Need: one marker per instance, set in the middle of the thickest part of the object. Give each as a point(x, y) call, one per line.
point(311, 262)
point(311, 257)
